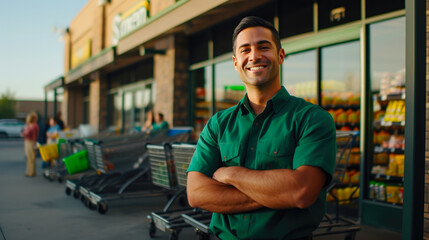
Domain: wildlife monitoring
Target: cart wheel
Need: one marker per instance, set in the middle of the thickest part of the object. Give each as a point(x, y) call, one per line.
point(86, 202)
point(350, 236)
point(152, 230)
point(92, 206)
point(102, 208)
point(202, 235)
point(76, 194)
point(174, 236)
point(60, 179)
point(82, 198)
point(68, 191)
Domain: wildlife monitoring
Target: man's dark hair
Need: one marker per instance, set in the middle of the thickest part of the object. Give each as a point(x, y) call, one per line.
point(161, 116)
point(253, 21)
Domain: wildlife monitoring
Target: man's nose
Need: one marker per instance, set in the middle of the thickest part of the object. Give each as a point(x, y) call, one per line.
point(255, 55)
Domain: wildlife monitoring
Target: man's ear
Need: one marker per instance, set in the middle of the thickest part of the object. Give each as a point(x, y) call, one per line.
point(234, 60)
point(282, 55)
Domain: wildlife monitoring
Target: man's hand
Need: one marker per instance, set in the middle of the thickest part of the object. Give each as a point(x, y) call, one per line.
point(277, 188)
point(214, 196)
point(224, 173)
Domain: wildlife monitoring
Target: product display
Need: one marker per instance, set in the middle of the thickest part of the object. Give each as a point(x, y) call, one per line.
point(387, 166)
point(344, 108)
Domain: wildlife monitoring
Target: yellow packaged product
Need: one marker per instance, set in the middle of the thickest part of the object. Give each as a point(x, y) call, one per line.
point(381, 158)
point(355, 178)
point(392, 194)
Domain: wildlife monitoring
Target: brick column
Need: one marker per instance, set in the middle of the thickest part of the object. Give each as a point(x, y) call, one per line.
point(164, 78)
point(94, 101)
point(181, 83)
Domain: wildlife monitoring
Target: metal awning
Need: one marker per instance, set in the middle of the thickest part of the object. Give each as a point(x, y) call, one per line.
point(191, 14)
point(56, 83)
point(105, 57)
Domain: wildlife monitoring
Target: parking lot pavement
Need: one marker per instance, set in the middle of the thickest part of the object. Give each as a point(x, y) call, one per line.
point(34, 208)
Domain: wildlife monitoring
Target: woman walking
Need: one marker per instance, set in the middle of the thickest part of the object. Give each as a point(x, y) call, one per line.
point(30, 133)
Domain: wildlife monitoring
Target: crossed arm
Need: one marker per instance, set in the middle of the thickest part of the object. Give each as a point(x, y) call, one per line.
point(238, 189)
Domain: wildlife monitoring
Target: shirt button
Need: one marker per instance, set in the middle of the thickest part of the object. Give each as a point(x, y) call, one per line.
point(257, 123)
point(244, 217)
point(252, 149)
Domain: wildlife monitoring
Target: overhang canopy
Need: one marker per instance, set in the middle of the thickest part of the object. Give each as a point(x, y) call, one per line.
point(191, 14)
point(56, 83)
point(105, 57)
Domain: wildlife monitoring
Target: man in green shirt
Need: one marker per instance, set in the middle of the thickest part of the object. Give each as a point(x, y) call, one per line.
point(261, 165)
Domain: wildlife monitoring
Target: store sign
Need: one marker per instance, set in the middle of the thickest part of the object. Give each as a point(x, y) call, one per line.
point(80, 54)
point(332, 13)
point(129, 21)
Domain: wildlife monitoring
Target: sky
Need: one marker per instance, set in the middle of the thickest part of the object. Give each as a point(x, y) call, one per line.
point(31, 54)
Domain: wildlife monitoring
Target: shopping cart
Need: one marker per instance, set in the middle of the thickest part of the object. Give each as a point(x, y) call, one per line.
point(52, 155)
point(132, 181)
point(168, 165)
point(337, 224)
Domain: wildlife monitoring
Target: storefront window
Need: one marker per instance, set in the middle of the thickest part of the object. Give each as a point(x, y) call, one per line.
point(341, 80)
point(387, 75)
point(229, 89)
point(117, 111)
point(300, 75)
point(128, 114)
point(202, 80)
point(127, 107)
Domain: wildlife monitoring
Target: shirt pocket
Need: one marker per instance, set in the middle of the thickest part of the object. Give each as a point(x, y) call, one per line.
point(274, 155)
point(230, 154)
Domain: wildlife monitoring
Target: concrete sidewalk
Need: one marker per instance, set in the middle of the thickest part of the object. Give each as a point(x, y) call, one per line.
point(34, 208)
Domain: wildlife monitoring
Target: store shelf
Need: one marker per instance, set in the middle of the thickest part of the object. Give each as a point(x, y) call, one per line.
point(389, 97)
point(389, 150)
point(343, 106)
point(387, 177)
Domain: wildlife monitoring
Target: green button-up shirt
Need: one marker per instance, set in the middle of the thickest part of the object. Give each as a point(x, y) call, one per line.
point(289, 133)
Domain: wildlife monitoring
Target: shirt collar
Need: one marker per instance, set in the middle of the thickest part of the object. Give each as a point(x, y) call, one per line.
point(278, 101)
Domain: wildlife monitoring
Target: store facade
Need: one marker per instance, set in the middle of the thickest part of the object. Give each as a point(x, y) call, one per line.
point(349, 57)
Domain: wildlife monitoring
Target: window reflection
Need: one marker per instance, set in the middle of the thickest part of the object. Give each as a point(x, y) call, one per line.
point(202, 80)
point(341, 74)
point(299, 75)
point(387, 56)
point(341, 84)
point(229, 89)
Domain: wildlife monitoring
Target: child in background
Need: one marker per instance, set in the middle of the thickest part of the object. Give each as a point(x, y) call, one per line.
point(52, 133)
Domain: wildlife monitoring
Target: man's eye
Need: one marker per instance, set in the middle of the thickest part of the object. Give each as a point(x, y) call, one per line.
point(244, 50)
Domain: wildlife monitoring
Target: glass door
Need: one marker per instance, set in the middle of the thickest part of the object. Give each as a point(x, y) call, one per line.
point(340, 93)
point(387, 73)
point(299, 72)
point(128, 106)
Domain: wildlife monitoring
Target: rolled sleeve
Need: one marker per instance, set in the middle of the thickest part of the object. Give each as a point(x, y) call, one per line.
point(317, 143)
point(206, 158)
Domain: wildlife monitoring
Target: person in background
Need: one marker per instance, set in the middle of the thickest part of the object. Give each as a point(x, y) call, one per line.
point(261, 166)
point(52, 133)
point(30, 133)
point(149, 121)
point(59, 121)
point(160, 124)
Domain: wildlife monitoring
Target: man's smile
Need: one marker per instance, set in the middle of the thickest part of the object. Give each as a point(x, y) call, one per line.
point(256, 68)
